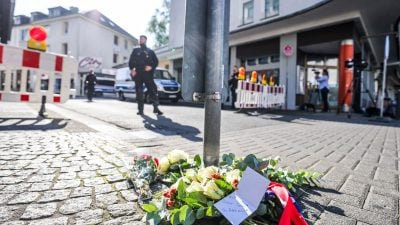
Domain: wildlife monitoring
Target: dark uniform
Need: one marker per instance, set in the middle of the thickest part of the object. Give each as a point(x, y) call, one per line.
point(233, 83)
point(90, 82)
point(139, 59)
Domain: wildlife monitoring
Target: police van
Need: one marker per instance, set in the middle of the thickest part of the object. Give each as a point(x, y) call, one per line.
point(104, 86)
point(168, 88)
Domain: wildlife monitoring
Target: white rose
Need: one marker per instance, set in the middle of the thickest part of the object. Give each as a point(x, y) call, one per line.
point(206, 173)
point(176, 155)
point(233, 175)
point(212, 191)
point(194, 187)
point(190, 174)
point(163, 165)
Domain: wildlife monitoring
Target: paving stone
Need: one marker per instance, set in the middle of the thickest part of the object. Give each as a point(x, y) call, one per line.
point(40, 186)
point(87, 174)
point(52, 221)
point(51, 196)
point(358, 214)
point(6, 173)
point(14, 223)
point(81, 192)
point(328, 218)
point(115, 178)
point(24, 198)
point(89, 167)
point(103, 189)
point(125, 209)
point(386, 176)
point(131, 220)
point(15, 188)
point(103, 200)
point(67, 176)
point(10, 180)
point(354, 188)
point(64, 184)
point(75, 205)
point(7, 212)
point(5, 197)
point(38, 211)
point(121, 185)
point(47, 171)
point(69, 169)
point(111, 171)
point(89, 217)
point(129, 195)
point(89, 182)
point(41, 178)
point(380, 203)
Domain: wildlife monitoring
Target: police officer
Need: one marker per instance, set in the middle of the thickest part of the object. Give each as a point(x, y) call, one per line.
point(142, 63)
point(90, 82)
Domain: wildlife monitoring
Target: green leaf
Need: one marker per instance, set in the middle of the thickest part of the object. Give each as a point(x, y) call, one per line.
point(181, 190)
point(197, 160)
point(198, 196)
point(153, 218)
point(226, 187)
point(150, 208)
point(200, 213)
point(186, 215)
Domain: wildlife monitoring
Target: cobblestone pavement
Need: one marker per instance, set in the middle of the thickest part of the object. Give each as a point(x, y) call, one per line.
point(75, 174)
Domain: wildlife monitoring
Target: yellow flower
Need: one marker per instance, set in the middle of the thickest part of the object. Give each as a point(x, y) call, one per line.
point(194, 187)
point(163, 165)
point(212, 191)
point(177, 155)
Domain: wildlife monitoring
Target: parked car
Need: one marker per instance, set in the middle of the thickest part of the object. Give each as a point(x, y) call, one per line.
point(168, 88)
point(104, 86)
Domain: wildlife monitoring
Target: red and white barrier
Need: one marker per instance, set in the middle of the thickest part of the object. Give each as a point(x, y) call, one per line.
point(27, 75)
point(251, 95)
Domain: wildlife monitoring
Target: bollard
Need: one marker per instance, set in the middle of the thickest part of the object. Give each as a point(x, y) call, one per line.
point(42, 111)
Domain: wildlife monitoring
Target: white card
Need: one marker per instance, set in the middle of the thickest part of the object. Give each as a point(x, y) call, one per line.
point(240, 204)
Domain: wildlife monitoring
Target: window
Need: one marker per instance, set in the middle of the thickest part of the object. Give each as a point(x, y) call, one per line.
point(115, 40)
point(65, 48)
point(271, 8)
point(24, 35)
point(274, 58)
point(251, 62)
point(125, 59)
point(126, 44)
point(248, 9)
point(66, 27)
point(115, 58)
point(263, 60)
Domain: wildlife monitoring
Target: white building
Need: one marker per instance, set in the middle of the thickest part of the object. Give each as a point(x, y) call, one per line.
point(93, 39)
point(260, 29)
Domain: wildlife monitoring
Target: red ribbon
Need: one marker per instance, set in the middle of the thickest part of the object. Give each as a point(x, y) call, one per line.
point(290, 214)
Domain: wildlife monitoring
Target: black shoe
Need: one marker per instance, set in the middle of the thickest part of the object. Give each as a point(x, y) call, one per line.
point(157, 111)
point(140, 113)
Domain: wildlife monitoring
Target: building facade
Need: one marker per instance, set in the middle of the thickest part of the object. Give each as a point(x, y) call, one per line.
point(291, 40)
point(94, 40)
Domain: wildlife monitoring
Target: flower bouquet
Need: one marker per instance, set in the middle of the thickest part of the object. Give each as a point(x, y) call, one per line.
point(192, 190)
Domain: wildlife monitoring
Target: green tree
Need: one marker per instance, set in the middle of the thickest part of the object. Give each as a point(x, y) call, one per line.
point(159, 24)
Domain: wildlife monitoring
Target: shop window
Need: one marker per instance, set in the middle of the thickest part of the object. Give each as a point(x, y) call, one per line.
point(274, 58)
point(271, 8)
point(263, 60)
point(251, 62)
point(248, 11)
point(243, 63)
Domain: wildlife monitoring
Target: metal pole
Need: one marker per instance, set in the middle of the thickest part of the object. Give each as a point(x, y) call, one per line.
point(384, 73)
point(216, 35)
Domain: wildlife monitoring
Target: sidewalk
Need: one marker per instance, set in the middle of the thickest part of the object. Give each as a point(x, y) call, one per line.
point(75, 175)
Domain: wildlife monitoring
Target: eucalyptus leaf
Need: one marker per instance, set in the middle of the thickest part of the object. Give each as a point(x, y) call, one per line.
point(150, 207)
point(197, 160)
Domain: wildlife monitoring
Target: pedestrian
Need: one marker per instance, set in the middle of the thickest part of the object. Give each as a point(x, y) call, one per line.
point(233, 84)
point(324, 88)
point(90, 82)
point(142, 63)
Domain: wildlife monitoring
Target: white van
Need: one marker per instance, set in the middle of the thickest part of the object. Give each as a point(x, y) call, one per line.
point(167, 87)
